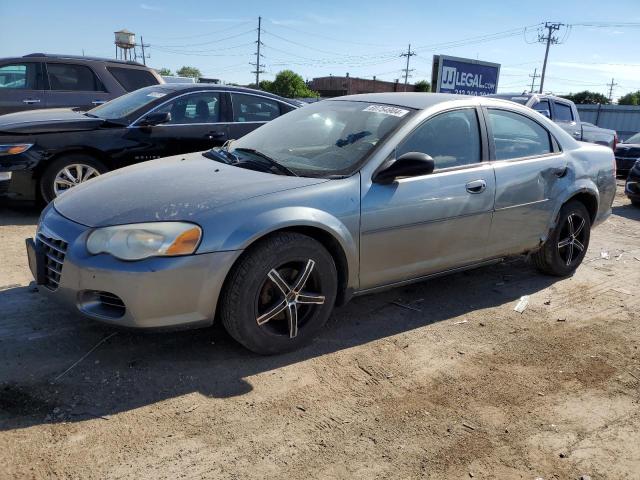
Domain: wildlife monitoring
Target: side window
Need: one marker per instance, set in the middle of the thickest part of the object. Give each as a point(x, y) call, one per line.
point(132, 78)
point(517, 136)
point(201, 107)
point(22, 76)
point(68, 77)
point(563, 112)
point(543, 107)
point(452, 139)
point(252, 108)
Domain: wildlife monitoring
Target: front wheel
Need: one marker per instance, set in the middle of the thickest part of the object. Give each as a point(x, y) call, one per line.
point(280, 294)
point(67, 172)
point(567, 244)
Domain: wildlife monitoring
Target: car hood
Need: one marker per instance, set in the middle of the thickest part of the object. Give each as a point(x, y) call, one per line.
point(174, 188)
point(47, 121)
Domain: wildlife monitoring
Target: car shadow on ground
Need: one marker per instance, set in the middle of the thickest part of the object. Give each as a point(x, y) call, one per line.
point(628, 211)
point(39, 341)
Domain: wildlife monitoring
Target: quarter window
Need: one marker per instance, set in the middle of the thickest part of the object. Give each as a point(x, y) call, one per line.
point(20, 76)
point(68, 77)
point(133, 78)
point(452, 139)
point(563, 112)
point(196, 108)
point(516, 136)
point(251, 108)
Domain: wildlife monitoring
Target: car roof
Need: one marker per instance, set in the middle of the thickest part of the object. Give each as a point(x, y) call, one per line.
point(54, 56)
point(417, 100)
point(227, 88)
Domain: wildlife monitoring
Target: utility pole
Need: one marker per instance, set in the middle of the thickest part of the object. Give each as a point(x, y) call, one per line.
point(258, 66)
point(549, 39)
point(406, 70)
point(533, 79)
point(142, 45)
point(611, 85)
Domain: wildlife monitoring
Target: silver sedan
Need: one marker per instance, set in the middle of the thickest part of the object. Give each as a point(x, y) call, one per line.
point(339, 198)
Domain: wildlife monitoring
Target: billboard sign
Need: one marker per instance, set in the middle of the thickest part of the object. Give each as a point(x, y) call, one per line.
point(464, 76)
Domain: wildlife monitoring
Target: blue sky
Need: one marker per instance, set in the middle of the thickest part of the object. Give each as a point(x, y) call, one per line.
point(317, 38)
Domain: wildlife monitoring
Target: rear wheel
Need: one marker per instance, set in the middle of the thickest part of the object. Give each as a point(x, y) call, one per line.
point(635, 202)
point(67, 172)
point(280, 294)
point(567, 244)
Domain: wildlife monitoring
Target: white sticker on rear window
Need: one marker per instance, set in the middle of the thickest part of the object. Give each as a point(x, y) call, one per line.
point(156, 94)
point(387, 110)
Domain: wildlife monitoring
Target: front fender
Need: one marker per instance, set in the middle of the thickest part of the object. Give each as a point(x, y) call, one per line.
point(252, 229)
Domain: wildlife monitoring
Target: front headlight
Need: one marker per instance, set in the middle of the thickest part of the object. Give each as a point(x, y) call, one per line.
point(14, 149)
point(143, 240)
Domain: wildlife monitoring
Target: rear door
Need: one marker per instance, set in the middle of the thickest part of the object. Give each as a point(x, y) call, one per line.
point(73, 85)
point(563, 115)
point(21, 86)
point(530, 172)
point(197, 124)
point(251, 111)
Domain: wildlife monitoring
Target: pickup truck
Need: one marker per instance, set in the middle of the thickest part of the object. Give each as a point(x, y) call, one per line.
point(565, 114)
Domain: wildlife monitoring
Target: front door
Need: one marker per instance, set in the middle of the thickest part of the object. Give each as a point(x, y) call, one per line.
point(421, 225)
point(196, 125)
point(530, 171)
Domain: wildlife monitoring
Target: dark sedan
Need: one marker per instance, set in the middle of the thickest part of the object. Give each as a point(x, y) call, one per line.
point(46, 152)
point(632, 185)
point(627, 153)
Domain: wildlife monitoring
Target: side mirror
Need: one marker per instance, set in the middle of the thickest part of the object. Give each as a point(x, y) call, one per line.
point(156, 118)
point(410, 164)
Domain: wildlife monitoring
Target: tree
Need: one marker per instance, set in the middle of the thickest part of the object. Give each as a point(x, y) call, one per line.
point(291, 85)
point(164, 71)
point(632, 98)
point(422, 86)
point(189, 72)
point(266, 85)
point(587, 97)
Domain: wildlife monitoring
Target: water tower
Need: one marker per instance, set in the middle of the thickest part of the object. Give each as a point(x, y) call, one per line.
point(125, 41)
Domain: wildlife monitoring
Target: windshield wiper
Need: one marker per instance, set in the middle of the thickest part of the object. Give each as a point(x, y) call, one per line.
point(270, 160)
point(220, 155)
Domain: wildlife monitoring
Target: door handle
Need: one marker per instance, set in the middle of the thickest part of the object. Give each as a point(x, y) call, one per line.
point(477, 186)
point(212, 135)
point(29, 101)
point(98, 102)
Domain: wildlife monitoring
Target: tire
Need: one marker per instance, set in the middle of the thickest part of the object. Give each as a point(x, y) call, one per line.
point(567, 244)
point(635, 203)
point(252, 295)
point(55, 171)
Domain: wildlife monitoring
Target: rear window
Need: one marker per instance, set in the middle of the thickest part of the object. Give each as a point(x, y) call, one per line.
point(132, 78)
point(70, 77)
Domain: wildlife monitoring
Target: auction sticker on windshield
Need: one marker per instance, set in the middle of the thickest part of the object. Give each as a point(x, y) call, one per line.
point(387, 110)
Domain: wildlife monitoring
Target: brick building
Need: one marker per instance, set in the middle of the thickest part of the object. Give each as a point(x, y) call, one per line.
point(337, 86)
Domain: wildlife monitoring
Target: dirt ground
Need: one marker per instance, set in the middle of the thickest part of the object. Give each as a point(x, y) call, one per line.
point(457, 386)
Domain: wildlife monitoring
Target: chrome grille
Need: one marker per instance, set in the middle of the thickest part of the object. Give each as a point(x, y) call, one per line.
point(55, 251)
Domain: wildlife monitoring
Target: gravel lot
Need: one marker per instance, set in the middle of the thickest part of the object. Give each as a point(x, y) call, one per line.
point(458, 385)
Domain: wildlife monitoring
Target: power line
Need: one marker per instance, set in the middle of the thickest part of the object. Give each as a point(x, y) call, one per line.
point(406, 70)
point(209, 42)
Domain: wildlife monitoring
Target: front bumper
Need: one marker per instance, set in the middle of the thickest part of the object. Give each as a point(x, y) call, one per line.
point(624, 164)
point(632, 188)
point(157, 292)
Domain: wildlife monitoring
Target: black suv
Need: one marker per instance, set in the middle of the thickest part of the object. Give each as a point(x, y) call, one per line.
point(41, 80)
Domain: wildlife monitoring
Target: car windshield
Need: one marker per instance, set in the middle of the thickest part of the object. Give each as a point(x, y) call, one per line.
point(633, 139)
point(126, 104)
point(324, 139)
